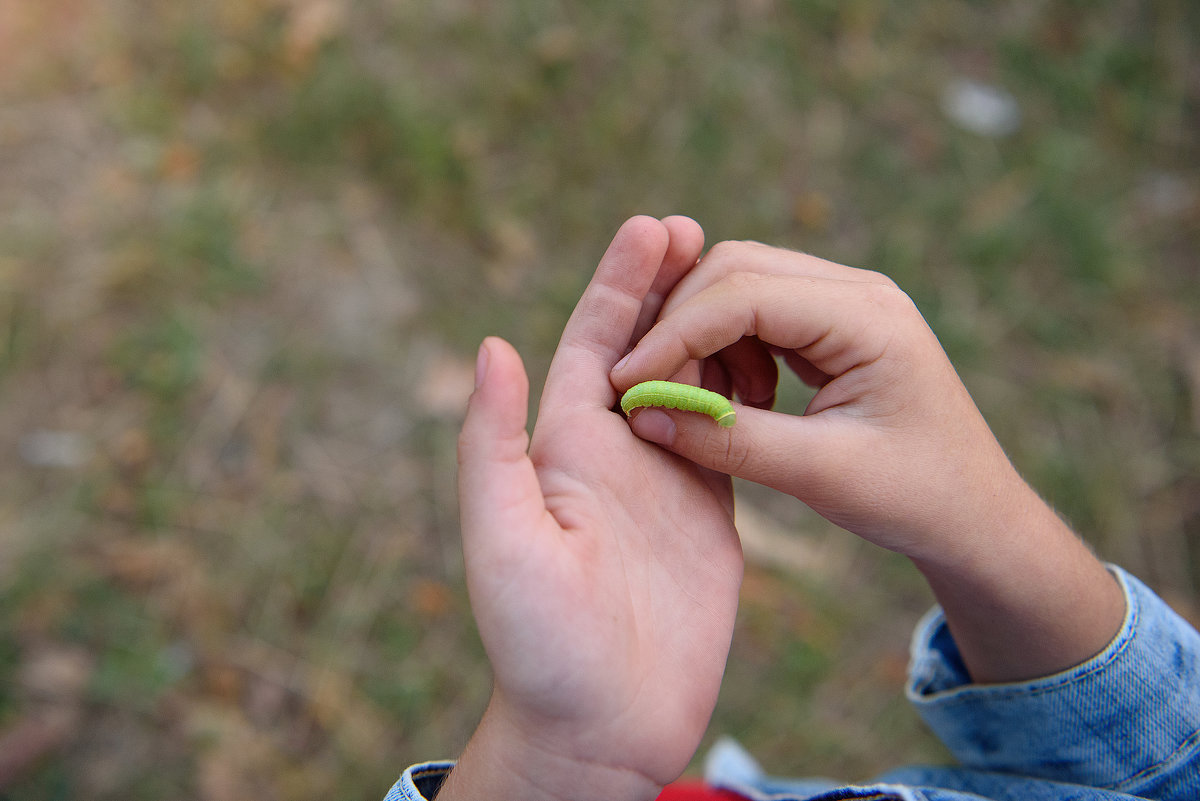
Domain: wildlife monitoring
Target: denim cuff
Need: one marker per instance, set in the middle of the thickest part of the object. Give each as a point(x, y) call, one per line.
point(1128, 719)
point(420, 782)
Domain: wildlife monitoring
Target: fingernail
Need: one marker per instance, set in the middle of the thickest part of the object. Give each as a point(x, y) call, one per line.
point(621, 363)
point(481, 365)
point(654, 426)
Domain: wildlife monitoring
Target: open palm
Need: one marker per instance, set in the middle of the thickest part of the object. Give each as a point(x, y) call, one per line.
point(603, 570)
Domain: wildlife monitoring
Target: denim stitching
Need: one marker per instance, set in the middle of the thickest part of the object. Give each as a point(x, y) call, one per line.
point(969, 693)
point(1189, 745)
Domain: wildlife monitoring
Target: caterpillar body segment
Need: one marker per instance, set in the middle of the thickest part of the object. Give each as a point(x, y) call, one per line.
point(684, 397)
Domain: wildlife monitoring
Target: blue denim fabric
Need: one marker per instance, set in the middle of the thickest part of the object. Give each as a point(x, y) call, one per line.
point(419, 782)
point(1124, 724)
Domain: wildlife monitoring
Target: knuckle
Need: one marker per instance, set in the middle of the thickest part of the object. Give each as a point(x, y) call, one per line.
point(889, 297)
point(740, 279)
point(882, 279)
point(724, 250)
point(724, 450)
point(736, 454)
point(728, 252)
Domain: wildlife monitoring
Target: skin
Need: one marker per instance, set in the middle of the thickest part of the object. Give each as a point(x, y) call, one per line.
point(603, 570)
point(601, 557)
point(1023, 595)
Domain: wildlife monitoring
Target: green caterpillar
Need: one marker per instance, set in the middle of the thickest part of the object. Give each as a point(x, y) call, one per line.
point(680, 396)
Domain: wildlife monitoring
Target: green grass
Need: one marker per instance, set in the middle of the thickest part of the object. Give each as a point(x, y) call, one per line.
point(234, 235)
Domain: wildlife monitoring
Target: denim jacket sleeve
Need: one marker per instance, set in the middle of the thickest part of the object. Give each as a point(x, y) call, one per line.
point(1127, 720)
point(420, 782)
point(1124, 723)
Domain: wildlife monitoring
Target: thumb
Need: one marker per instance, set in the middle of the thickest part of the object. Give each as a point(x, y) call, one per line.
point(498, 489)
point(777, 450)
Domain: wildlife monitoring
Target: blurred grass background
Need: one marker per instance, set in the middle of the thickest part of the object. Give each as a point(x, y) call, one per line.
point(248, 248)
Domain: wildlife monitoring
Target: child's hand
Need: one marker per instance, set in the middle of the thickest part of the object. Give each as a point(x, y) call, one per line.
point(891, 447)
point(603, 570)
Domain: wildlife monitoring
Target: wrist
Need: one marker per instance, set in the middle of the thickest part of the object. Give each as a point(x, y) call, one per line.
point(990, 529)
point(502, 760)
point(1023, 596)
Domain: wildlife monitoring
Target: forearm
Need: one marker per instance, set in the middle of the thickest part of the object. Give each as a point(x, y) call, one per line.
point(1023, 596)
point(1124, 720)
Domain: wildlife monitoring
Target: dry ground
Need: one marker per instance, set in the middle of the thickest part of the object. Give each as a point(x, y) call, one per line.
point(248, 247)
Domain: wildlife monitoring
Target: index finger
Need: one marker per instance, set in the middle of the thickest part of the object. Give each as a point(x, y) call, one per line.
point(833, 323)
point(727, 258)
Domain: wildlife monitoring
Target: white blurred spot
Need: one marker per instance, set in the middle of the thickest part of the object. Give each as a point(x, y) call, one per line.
point(42, 448)
point(980, 108)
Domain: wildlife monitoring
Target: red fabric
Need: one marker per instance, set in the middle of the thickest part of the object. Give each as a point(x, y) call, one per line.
point(696, 791)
